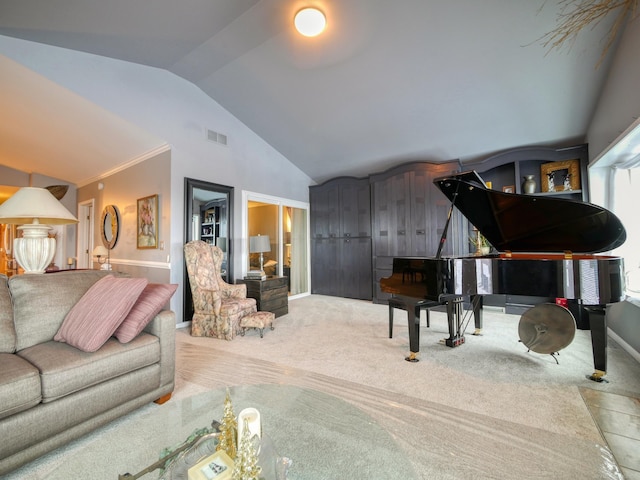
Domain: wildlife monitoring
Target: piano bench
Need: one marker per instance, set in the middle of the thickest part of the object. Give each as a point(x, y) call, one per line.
point(420, 305)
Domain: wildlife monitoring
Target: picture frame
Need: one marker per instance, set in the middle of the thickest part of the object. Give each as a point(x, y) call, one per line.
point(218, 466)
point(560, 176)
point(147, 222)
point(509, 189)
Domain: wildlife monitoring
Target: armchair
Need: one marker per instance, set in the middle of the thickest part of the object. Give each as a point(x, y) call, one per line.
point(218, 306)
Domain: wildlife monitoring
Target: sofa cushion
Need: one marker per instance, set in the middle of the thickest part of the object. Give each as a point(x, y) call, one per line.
point(19, 385)
point(65, 369)
point(99, 312)
point(41, 302)
point(149, 303)
point(7, 330)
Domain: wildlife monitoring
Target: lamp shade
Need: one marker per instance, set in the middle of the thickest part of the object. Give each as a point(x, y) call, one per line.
point(100, 251)
point(35, 205)
point(34, 209)
point(259, 244)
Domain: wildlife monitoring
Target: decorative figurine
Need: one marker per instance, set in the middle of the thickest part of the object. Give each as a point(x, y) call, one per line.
point(246, 466)
point(228, 429)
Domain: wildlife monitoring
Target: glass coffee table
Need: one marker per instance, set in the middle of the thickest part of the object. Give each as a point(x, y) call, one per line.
point(324, 436)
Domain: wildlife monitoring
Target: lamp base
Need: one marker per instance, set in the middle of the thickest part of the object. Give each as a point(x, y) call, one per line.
point(34, 251)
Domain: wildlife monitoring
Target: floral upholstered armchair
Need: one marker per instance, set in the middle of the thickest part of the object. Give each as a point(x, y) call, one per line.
point(218, 306)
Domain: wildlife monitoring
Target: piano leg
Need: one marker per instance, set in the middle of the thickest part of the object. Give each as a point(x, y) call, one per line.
point(476, 304)
point(454, 319)
point(598, 323)
point(413, 318)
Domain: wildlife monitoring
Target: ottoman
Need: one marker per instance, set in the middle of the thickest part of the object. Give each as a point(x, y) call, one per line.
point(257, 320)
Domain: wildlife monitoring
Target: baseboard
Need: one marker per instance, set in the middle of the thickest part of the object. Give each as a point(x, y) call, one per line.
point(625, 346)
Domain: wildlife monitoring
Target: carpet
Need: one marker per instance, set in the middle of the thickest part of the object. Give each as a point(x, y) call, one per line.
point(493, 374)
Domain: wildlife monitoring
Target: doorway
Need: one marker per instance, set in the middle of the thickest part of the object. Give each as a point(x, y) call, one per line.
point(286, 222)
point(208, 217)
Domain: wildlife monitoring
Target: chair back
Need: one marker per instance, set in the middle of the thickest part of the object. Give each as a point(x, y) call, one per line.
point(203, 265)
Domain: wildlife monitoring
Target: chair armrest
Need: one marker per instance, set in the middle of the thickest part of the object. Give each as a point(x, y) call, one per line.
point(229, 290)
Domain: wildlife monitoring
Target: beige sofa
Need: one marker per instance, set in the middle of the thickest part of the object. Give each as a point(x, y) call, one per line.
point(51, 392)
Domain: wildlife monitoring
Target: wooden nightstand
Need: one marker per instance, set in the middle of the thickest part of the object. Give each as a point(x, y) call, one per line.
point(271, 294)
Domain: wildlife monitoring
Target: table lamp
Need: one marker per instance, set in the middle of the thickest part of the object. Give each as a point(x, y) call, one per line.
point(260, 244)
point(34, 209)
point(103, 257)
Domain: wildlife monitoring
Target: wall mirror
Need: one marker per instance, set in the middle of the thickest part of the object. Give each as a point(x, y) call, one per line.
point(110, 226)
point(208, 215)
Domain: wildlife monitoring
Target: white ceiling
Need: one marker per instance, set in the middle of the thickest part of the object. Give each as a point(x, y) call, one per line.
point(387, 82)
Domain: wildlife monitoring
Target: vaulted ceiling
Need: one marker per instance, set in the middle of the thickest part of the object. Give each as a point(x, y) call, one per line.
point(386, 82)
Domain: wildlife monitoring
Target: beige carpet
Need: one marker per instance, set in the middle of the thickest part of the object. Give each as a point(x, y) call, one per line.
point(492, 374)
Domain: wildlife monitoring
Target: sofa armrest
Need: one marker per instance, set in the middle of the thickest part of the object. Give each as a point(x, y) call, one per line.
point(163, 326)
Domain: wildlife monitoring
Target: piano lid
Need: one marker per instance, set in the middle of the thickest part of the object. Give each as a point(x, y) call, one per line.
point(532, 223)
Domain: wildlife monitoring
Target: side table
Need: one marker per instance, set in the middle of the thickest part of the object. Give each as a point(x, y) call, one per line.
point(271, 294)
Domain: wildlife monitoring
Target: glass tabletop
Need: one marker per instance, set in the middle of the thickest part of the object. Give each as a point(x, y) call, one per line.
point(324, 436)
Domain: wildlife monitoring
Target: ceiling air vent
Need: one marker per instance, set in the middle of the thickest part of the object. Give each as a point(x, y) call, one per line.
point(216, 137)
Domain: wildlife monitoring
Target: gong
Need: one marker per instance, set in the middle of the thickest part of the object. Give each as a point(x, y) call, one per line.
point(547, 328)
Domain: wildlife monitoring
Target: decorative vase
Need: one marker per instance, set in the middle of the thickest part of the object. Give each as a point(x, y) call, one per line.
point(529, 185)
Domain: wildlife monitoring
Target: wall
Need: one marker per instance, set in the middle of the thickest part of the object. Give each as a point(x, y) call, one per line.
point(177, 111)
point(618, 108)
point(122, 189)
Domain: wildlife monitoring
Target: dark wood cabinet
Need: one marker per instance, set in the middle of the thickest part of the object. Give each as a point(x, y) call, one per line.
point(271, 294)
point(408, 216)
point(341, 238)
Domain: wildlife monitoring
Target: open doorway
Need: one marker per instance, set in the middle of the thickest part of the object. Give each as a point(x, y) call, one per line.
point(286, 223)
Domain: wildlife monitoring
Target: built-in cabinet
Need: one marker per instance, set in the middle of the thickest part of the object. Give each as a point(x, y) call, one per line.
point(409, 214)
point(507, 170)
point(340, 219)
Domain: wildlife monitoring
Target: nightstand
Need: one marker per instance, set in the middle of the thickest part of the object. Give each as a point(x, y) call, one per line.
point(271, 294)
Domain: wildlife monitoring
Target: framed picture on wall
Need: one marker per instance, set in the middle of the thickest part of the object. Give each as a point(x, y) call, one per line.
point(147, 222)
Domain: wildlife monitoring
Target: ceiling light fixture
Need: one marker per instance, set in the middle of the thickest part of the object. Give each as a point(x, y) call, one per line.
point(310, 22)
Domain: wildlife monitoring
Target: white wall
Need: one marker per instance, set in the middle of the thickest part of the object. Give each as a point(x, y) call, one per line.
point(619, 104)
point(618, 108)
point(178, 112)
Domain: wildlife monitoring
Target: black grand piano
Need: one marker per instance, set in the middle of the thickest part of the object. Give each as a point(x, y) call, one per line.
point(547, 248)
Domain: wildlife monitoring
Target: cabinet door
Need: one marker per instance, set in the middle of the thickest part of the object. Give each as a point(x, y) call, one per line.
point(421, 218)
point(325, 211)
point(392, 217)
point(356, 268)
point(355, 209)
point(325, 266)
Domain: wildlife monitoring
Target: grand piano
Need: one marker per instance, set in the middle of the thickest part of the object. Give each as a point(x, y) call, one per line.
point(547, 250)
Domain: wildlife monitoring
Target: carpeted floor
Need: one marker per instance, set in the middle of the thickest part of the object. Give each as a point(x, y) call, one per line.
point(487, 409)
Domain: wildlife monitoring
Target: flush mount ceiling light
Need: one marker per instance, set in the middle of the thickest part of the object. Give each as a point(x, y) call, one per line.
point(310, 22)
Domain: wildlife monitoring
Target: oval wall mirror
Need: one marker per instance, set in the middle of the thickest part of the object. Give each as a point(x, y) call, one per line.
point(110, 226)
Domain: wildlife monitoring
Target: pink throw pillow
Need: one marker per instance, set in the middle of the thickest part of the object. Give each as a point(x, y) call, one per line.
point(99, 312)
point(151, 300)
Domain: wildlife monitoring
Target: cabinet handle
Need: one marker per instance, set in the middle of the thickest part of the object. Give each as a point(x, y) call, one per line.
point(419, 232)
point(332, 235)
point(347, 234)
point(401, 232)
point(348, 240)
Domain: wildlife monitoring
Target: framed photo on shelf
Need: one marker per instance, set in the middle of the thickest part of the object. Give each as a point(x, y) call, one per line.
point(509, 189)
point(147, 222)
point(560, 176)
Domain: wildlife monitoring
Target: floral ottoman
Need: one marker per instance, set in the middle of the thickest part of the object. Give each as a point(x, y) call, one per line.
point(259, 320)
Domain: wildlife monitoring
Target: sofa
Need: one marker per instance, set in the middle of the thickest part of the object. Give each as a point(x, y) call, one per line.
point(53, 387)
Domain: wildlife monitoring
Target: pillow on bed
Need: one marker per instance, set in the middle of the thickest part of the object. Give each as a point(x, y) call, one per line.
point(149, 303)
point(99, 312)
